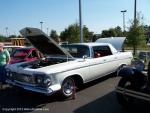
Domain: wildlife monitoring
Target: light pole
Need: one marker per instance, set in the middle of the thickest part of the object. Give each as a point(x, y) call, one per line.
point(80, 21)
point(41, 24)
point(123, 12)
point(135, 13)
point(47, 31)
point(6, 31)
point(135, 24)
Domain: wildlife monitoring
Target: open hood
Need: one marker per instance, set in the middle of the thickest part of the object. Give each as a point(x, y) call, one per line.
point(117, 42)
point(42, 42)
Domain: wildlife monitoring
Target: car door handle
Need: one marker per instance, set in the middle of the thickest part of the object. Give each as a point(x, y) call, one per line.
point(104, 60)
point(115, 57)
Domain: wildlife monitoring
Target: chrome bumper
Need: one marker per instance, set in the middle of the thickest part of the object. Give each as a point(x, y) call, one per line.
point(47, 91)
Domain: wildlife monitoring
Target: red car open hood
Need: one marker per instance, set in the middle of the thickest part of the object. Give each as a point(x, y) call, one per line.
point(43, 42)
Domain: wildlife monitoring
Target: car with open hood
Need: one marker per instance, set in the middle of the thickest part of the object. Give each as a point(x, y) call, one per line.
point(25, 54)
point(65, 67)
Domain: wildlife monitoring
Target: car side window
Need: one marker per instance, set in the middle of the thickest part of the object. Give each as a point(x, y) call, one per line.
point(101, 51)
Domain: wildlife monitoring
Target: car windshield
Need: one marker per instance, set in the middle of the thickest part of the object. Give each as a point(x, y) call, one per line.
point(20, 53)
point(10, 49)
point(77, 51)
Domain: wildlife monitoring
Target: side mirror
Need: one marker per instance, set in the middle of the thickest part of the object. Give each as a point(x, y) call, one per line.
point(84, 57)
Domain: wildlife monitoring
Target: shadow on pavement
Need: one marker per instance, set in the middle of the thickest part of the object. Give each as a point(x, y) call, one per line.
point(95, 82)
point(14, 100)
point(109, 104)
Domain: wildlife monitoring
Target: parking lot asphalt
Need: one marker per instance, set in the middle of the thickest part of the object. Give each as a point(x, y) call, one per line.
point(95, 97)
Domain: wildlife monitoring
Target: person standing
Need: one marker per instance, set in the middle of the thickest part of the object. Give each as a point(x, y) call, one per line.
point(4, 60)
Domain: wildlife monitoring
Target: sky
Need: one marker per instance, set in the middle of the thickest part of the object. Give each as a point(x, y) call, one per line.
point(97, 15)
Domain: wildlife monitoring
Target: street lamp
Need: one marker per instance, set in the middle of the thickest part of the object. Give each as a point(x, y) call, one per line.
point(123, 12)
point(80, 21)
point(41, 24)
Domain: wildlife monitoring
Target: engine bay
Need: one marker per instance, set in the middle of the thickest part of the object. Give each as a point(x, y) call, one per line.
point(44, 62)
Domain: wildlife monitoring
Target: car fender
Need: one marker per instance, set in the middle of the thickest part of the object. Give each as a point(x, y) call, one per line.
point(126, 72)
point(62, 76)
point(132, 73)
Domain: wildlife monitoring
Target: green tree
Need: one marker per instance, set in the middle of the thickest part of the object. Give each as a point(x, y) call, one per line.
point(147, 32)
point(64, 35)
point(2, 38)
point(136, 34)
point(87, 34)
point(12, 36)
point(54, 36)
point(19, 36)
point(112, 32)
point(72, 34)
point(119, 32)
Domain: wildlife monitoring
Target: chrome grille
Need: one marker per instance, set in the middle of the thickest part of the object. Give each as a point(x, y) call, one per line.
point(23, 78)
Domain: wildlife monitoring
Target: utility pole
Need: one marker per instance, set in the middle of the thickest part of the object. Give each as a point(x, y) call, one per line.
point(135, 24)
point(80, 21)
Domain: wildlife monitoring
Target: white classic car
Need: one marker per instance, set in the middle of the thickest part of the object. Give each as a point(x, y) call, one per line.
point(65, 67)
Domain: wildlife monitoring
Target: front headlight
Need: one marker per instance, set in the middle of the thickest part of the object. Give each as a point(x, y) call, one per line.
point(47, 81)
point(42, 80)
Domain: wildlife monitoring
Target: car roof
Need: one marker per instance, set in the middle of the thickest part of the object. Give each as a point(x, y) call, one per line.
point(91, 44)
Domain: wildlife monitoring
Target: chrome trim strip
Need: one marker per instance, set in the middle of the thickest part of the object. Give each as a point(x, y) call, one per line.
point(132, 93)
point(23, 83)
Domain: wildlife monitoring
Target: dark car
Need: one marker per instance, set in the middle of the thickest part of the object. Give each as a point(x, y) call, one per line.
point(144, 55)
point(24, 55)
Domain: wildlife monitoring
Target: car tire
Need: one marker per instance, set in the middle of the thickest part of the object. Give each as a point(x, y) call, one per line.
point(125, 100)
point(68, 87)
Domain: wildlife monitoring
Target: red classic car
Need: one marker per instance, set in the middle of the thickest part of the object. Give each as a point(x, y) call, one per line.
point(24, 55)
